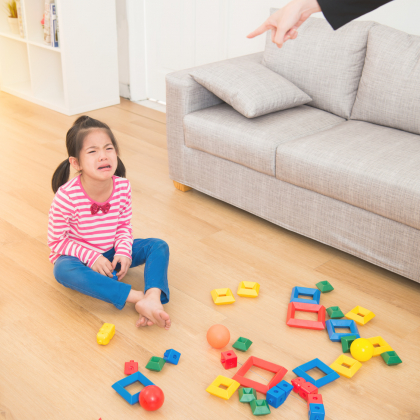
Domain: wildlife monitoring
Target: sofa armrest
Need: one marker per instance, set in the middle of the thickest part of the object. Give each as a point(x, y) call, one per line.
point(183, 96)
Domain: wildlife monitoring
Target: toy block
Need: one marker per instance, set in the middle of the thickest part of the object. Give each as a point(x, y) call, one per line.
point(324, 286)
point(276, 397)
point(391, 358)
point(259, 407)
point(114, 275)
point(279, 372)
point(131, 367)
point(314, 399)
point(306, 389)
point(105, 334)
point(332, 324)
point(305, 291)
point(316, 412)
point(346, 342)
point(222, 296)
point(242, 344)
point(285, 386)
point(229, 359)
point(156, 363)
point(330, 374)
point(120, 386)
point(172, 356)
point(335, 312)
point(230, 384)
point(379, 345)
point(360, 315)
point(297, 383)
point(246, 395)
point(248, 289)
point(181, 187)
point(303, 323)
point(346, 366)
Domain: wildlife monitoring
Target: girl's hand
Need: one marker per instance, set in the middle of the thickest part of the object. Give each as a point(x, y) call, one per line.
point(125, 265)
point(103, 266)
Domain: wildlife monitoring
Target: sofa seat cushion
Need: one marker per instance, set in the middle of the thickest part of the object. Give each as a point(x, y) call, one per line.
point(372, 167)
point(224, 132)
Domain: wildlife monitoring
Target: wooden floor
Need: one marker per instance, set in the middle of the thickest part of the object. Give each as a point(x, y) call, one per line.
point(50, 364)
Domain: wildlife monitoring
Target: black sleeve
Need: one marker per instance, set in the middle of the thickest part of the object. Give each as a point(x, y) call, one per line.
point(340, 12)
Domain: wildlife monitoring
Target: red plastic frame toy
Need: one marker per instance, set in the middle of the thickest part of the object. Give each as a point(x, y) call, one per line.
point(303, 323)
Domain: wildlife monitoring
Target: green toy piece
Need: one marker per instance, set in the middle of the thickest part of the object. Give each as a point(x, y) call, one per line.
point(391, 358)
point(259, 407)
point(346, 342)
point(334, 312)
point(324, 286)
point(156, 363)
point(246, 395)
point(243, 344)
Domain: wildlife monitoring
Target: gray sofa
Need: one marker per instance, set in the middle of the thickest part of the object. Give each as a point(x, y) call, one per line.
point(343, 169)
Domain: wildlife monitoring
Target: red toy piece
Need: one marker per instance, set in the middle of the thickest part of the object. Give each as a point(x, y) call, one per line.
point(297, 383)
point(303, 323)
point(279, 372)
point(131, 367)
point(314, 399)
point(229, 359)
point(151, 398)
point(306, 389)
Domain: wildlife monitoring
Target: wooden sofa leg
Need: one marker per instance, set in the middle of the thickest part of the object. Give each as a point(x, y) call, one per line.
point(181, 187)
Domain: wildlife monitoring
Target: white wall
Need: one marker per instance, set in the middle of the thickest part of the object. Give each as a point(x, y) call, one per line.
point(123, 56)
point(185, 33)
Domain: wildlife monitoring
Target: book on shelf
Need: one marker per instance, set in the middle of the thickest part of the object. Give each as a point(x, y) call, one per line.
point(20, 19)
point(53, 26)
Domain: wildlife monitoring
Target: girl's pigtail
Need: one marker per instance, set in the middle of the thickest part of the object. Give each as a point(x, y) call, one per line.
point(61, 175)
point(120, 168)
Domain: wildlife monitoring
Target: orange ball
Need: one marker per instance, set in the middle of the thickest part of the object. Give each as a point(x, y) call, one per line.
point(218, 336)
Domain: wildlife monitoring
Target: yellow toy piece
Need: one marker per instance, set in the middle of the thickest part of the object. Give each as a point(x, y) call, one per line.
point(346, 366)
point(222, 296)
point(361, 349)
point(360, 315)
point(105, 334)
point(379, 345)
point(214, 388)
point(248, 289)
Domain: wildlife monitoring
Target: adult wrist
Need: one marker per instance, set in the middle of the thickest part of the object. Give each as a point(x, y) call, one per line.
point(310, 6)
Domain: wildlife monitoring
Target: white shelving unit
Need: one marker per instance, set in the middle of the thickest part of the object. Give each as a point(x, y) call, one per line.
point(79, 76)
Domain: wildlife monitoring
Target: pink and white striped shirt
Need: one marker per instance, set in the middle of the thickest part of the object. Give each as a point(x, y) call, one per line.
point(74, 231)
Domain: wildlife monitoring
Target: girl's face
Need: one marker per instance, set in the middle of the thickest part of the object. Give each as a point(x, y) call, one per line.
point(98, 158)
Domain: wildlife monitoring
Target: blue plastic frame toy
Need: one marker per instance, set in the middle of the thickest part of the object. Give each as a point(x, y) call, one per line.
point(332, 324)
point(331, 375)
point(306, 291)
point(120, 386)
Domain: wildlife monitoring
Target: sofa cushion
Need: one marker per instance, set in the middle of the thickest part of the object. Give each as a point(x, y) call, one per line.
point(324, 63)
point(250, 88)
point(389, 90)
point(369, 166)
point(224, 132)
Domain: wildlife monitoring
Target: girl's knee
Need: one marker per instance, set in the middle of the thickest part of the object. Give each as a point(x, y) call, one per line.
point(161, 245)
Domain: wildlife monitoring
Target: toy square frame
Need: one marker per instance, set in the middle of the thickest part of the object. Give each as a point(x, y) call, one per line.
point(248, 289)
point(120, 386)
point(361, 320)
point(332, 324)
point(331, 375)
point(305, 291)
point(383, 345)
point(222, 296)
point(303, 323)
point(278, 370)
point(347, 372)
point(214, 388)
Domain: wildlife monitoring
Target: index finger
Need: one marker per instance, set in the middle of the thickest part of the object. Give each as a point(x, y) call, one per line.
point(260, 30)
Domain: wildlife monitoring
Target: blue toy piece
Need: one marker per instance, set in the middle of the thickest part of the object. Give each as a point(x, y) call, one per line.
point(120, 386)
point(172, 356)
point(114, 275)
point(332, 324)
point(285, 386)
point(276, 397)
point(305, 291)
point(331, 375)
point(316, 412)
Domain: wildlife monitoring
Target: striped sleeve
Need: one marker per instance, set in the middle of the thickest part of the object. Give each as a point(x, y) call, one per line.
point(124, 237)
point(59, 216)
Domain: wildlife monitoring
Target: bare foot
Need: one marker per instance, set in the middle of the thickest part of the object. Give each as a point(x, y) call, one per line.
point(151, 311)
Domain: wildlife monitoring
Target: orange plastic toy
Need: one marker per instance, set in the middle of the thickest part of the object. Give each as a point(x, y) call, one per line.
point(218, 336)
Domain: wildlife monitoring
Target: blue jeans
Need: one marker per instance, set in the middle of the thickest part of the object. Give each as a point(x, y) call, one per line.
point(72, 273)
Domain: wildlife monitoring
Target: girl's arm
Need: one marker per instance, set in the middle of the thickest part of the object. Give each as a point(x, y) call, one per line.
point(58, 231)
point(124, 237)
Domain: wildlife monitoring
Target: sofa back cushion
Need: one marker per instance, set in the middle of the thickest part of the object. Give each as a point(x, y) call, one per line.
point(389, 90)
point(324, 63)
